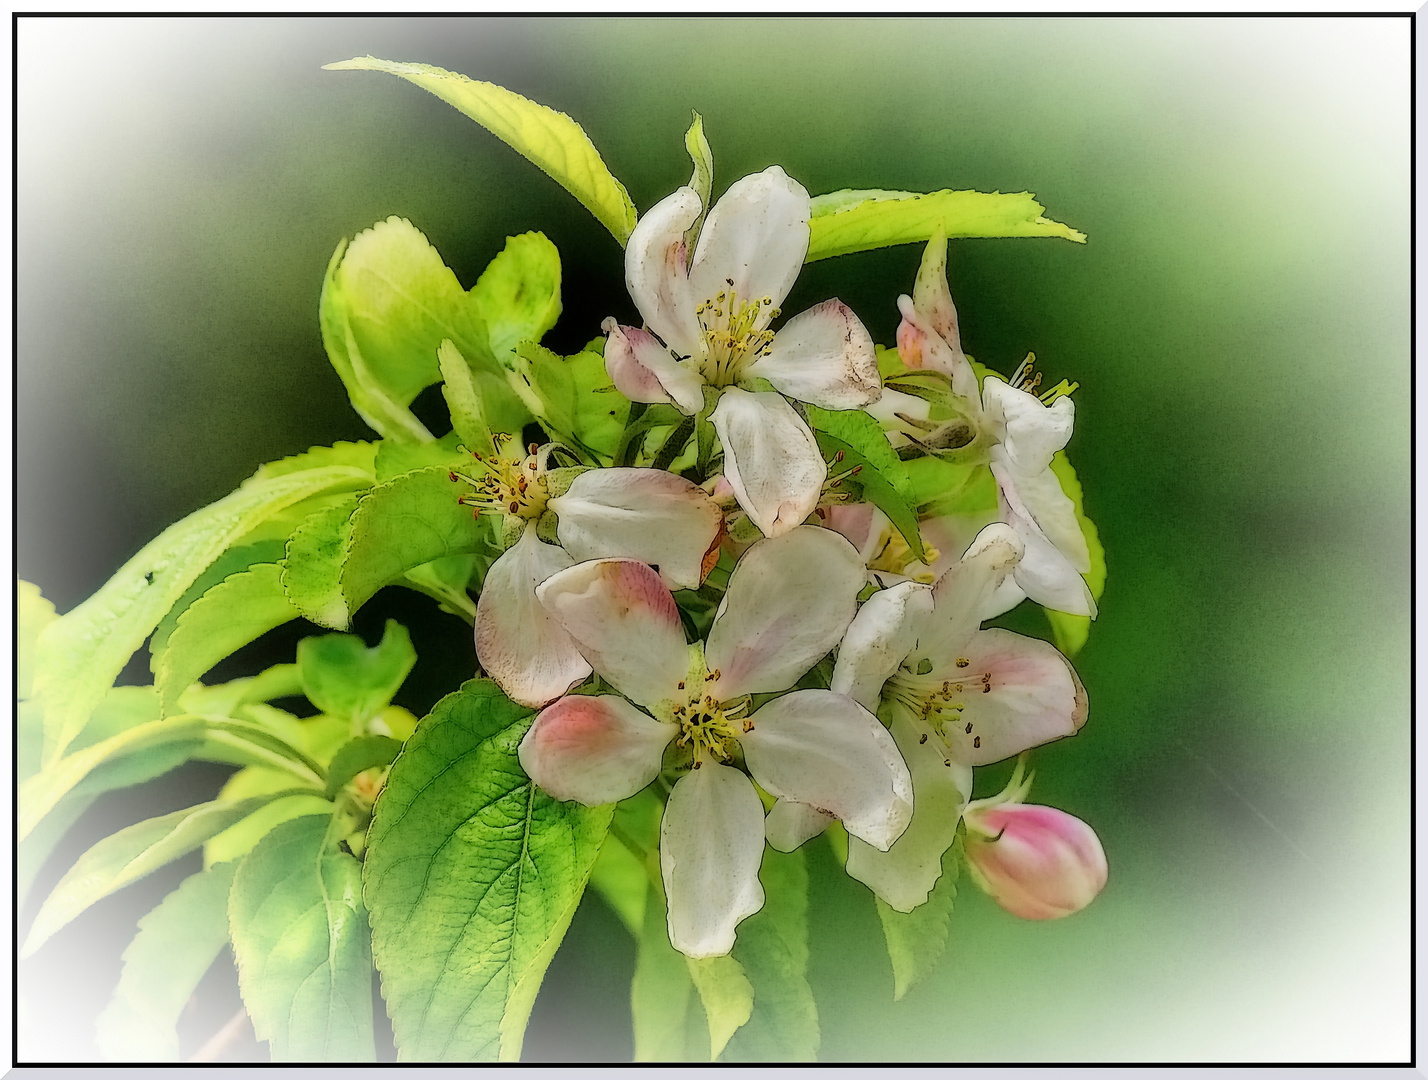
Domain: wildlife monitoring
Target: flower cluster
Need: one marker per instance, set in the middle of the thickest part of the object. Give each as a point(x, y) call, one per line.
point(845, 674)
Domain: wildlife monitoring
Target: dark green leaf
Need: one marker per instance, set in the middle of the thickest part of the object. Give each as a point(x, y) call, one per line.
point(916, 940)
point(367, 752)
point(176, 944)
point(81, 654)
point(300, 938)
point(129, 855)
point(554, 142)
point(847, 221)
point(772, 946)
point(342, 676)
point(472, 876)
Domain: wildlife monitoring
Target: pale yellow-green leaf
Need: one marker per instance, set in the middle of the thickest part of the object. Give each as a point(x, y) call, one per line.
point(34, 614)
point(727, 996)
point(1071, 631)
point(848, 221)
point(551, 140)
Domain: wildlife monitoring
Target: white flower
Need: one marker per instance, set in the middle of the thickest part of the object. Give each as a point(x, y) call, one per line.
point(645, 514)
point(789, 600)
point(1021, 431)
point(707, 321)
point(954, 695)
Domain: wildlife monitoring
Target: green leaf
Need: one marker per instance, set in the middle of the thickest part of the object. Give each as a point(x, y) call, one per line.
point(882, 478)
point(342, 676)
point(621, 880)
point(472, 875)
point(772, 946)
point(129, 855)
point(551, 140)
point(312, 568)
point(518, 294)
point(176, 944)
point(941, 487)
point(235, 612)
point(237, 840)
point(702, 181)
point(464, 400)
point(353, 455)
point(33, 614)
point(726, 995)
point(668, 1016)
point(1071, 631)
point(233, 561)
point(395, 459)
point(300, 939)
point(917, 939)
point(581, 404)
point(366, 752)
point(848, 221)
point(81, 654)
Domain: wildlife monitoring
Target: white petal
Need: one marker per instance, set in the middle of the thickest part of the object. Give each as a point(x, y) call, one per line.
point(962, 596)
point(756, 235)
point(882, 634)
point(520, 646)
point(711, 842)
point(826, 751)
point(895, 411)
point(1041, 498)
point(1030, 431)
point(1047, 573)
point(920, 346)
point(789, 600)
point(645, 514)
point(790, 825)
point(644, 370)
point(656, 271)
point(905, 873)
point(771, 459)
point(1020, 693)
point(624, 620)
point(594, 750)
point(824, 356)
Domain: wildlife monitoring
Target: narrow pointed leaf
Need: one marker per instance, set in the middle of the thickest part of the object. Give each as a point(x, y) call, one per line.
point(176, 944)
point(129, 855)
point(1071, 631)
point(81, 654)
point(472, 875)
point(848, 221)
point(726, 995)
point(882, 479)
point(917, 939)
point(301, 941)
point(551, 140)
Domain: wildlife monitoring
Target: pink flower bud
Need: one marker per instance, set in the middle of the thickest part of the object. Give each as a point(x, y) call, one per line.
point(1035, 861)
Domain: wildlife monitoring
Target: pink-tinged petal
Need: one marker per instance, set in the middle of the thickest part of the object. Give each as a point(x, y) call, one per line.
point(1018, 693)
point(657, 274)
point(826, 751)
point(1047, 573)
point(904, 875)
point(962, 596)
point(861, 524)
point(771, 459)
point(623, 619)
point(646, 514)
point(882, 634)
point(644, 370)
point(920, 346)
point(711, 842)
point(790, 825)
point(594, 750)
point(1035, 861)
point(824, 356)
point(757, 236)
point(788, 603)
point(528, 653)
point(1030, 431)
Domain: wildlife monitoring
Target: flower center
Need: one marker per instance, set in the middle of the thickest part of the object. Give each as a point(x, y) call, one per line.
point(939, 704)
point(733, 333)
point(710, 726)
point(515, 486)
point(895, 557)
point(1024, 378)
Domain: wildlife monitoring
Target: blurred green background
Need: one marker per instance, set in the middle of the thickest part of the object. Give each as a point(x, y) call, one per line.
point(1238, 322)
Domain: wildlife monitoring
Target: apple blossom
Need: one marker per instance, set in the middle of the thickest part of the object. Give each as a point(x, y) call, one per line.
point(646, 514)
point(789, 600)
point(706, 336)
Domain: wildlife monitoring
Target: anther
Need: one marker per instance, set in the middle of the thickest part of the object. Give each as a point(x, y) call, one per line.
point(977, 742)
point(923, 739)
point(748, 726)
point(681, 686)
point(962, 661)
point(697, 764)
point(968, 730)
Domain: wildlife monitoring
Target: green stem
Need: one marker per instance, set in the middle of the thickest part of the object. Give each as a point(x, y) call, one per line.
point(629, 444)
point(676, 442)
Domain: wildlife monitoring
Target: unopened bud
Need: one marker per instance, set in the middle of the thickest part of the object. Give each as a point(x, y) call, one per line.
point(1035, 861)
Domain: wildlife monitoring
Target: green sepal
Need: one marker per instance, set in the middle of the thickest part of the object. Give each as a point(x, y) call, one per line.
point(702, 181)
point(472, 876)
point(302, 947)
point(343, 677)
point(882, 479)
point(847, 221)
point(554, 142)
